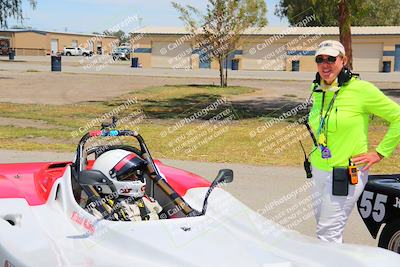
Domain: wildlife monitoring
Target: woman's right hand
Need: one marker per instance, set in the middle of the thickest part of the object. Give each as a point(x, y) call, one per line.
point(370, 159)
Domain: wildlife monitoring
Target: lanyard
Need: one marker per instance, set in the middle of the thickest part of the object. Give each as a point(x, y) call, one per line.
point(322, 119)
point(330, 106)
point(307, 164)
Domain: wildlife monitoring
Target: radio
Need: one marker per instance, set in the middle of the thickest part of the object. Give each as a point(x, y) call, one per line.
point(353, 174)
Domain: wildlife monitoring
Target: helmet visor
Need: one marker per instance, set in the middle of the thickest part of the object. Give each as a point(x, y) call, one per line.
point(130, 168)
point(133, 176)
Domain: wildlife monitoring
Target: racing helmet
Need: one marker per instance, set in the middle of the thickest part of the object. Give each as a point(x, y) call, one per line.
point(125, 169)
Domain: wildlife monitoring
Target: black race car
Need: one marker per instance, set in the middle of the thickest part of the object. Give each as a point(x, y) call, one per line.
point(380, 204)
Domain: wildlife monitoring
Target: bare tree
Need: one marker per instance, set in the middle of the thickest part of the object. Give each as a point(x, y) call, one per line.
point(218, 31)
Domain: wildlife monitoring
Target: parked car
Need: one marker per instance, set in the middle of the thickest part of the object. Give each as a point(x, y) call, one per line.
point(86, 52)
point(121, 53)
point(77, 51)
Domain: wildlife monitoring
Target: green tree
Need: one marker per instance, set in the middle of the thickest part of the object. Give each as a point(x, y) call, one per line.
point(123, 38)
point(219, 29)
point(342, 13)
point(376, 13)
point(362, 12)
point(12, 9)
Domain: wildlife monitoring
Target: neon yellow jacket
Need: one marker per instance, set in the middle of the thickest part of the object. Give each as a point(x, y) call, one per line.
point(347, 132)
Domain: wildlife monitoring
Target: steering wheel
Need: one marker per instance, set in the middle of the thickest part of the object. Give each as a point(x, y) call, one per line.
point(98, 150)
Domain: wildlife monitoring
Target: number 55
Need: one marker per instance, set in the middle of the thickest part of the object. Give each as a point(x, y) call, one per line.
point(378, 213)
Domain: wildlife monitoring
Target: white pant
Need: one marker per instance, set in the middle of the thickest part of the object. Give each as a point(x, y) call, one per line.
point(332, 212)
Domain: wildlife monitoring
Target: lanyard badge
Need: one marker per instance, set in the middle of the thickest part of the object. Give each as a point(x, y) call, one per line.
point(322, 138)
point(325, 152)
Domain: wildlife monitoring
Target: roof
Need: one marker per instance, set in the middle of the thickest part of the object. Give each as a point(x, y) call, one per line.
point(369, 30)
point(22, 30)
point(56, 32)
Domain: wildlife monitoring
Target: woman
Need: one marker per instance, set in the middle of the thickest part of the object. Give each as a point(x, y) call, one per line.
point(339, 120)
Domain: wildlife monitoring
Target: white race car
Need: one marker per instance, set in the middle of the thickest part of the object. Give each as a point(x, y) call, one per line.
point(42, 224)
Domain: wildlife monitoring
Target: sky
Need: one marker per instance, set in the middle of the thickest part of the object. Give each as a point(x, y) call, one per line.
point(87, 16)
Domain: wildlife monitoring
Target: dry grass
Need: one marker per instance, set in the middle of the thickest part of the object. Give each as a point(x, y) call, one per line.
point(239, 141)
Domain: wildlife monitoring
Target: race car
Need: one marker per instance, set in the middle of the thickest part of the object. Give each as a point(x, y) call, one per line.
point(380, 205)
point(43, 221)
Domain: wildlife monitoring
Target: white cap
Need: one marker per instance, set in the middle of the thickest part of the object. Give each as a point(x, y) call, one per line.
point(330, 48)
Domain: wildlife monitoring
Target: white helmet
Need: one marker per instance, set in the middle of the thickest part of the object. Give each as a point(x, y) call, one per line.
point(125, 169)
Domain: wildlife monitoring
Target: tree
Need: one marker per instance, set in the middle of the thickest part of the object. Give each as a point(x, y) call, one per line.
point(345, 30)
point(297, 10)
point(376, 13)
point(218, 30)
point(362, 12)
point(342, 13)
point(123, 38)
point(12, 9)
point(20, 27)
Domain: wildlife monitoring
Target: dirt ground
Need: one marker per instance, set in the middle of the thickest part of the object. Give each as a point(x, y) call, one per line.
point(65, 88)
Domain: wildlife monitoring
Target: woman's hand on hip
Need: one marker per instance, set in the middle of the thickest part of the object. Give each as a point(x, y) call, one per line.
point(370, 159)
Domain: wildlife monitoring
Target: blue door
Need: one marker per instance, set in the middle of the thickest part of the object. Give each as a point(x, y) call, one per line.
point(397, 58)
point(205, 63)
point(235, 64)
point(228, 60)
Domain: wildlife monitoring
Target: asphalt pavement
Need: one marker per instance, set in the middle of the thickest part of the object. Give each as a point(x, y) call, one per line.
point(102, 65)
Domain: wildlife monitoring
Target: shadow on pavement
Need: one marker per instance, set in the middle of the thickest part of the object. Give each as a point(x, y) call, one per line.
point(391, 92)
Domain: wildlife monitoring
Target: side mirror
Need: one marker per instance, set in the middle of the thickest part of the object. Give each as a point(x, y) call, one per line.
point(224, 176)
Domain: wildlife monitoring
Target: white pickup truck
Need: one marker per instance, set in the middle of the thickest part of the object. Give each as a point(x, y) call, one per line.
point(77, 51)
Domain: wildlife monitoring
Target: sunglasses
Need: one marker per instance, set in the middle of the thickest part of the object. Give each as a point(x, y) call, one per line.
point(329, 59)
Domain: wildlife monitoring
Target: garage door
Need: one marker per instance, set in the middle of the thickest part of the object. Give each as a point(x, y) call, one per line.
point(262, 57)
point(54, 46)
point(167, 55)
point(90, 46)
point(367, 57)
